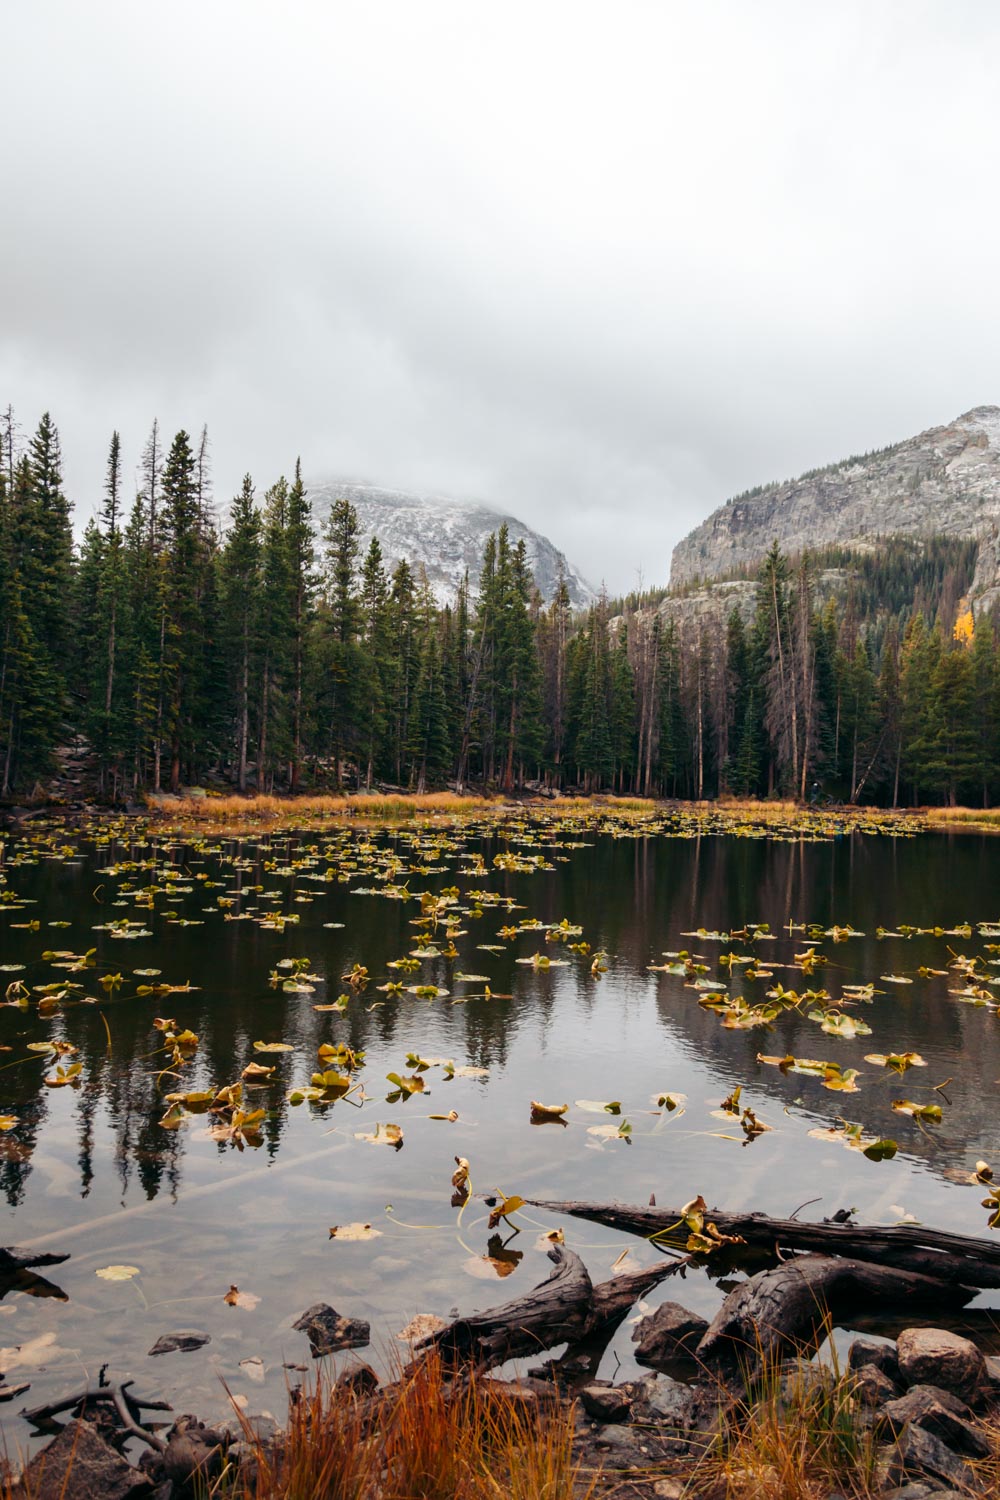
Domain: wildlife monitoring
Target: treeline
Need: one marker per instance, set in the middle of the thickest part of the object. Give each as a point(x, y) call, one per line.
point(275, 656)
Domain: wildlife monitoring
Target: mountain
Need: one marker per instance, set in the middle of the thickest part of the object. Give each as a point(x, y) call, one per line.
point(446, 536)
point(945, 482)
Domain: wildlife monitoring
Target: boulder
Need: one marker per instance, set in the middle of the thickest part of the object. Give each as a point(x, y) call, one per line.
point(607, 1403)
point(873, 1352)
point(328, 1331)
point(933, 1356)
point(940, 1413)
point(181, 1341)
point(80, 1465)
point(668, 1334)
point(873, 1387)
point(918, 1452)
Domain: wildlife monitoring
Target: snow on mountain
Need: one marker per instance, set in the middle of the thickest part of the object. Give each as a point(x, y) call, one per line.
point(446, 536)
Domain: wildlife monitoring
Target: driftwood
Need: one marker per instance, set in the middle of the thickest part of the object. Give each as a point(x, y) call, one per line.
point(556, 1310)
point(787, 1305)
point(613, 1300)
point(14, 1259)
point(958, 1259)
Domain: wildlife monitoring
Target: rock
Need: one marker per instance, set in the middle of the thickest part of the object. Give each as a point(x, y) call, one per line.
point(873, 1386)
point(945, 480)
point(193, 1451)
point(261, 1428)
point(80, 1465)
point(328, 1331)
point(920, 1452)
point(360, 1380)
point(991, 1384)
point(11, 1392)
point(935, 1411)
point(933, 1356)
point(921, 1491)
point(872, 1352)
point(607, 1403)
point(182, 1341)
point(669, 1489)
point(668, 1334)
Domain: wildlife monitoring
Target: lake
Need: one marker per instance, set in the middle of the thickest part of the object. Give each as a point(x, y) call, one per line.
point(266, 928)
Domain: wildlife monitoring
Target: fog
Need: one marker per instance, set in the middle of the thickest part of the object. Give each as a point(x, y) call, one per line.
point(601, 266)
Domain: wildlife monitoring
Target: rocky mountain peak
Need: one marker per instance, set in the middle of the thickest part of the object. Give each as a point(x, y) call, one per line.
point(444, 535)
point(945, 481)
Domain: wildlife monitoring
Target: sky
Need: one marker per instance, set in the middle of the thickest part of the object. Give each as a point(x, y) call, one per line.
point(601, 265)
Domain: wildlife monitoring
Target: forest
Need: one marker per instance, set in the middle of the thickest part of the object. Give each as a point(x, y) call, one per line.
point(274, 654)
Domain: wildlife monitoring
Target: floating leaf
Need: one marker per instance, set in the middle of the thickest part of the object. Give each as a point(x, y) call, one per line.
point(382, 1135)
point(930, 1112)
point(540, 1112)
point(235, 1298)
point(897, 1061)
point(354, 1232)
point(117, 1273)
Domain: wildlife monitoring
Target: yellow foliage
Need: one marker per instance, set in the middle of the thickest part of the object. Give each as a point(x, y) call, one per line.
point(965, 628)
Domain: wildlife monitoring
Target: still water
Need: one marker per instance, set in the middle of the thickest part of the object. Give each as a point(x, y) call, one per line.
point(89, 1169)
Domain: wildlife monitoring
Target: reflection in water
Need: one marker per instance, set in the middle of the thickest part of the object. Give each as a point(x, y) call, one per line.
point(196, 1215)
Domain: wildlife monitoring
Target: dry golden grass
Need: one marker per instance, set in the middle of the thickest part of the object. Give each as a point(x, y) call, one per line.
point(217, 812)
point(431, 1439)
point(798, 1434)
point(963, 817)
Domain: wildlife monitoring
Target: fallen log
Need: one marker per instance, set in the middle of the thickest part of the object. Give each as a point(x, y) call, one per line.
point(14, 1259)
point(787, 1306)
point(556, 1311)
point(612, 1300)
point(957, 1259)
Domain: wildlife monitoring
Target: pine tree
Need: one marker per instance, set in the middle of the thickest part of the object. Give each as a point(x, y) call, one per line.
point(243, 626)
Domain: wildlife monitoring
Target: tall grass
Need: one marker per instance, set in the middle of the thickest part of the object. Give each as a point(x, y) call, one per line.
point(798, 1433)
point(966, 817)
point(428, 1437)
point(225, 811)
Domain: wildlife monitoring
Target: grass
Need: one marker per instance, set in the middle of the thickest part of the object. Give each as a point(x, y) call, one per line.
point(224, 811)
point(964, 817)
point(797, 1434)
point(430, 1439)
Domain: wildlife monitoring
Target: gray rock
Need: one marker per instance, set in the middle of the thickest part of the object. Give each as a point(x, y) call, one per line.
point(920, 1452)
point(182, 1341)
point(668, 1334)
point(933, 1410)
point(328, 1331)
point(872, 1352)
point(359, 1379)
point(80, 1465)
point(873, 1386)
point(262, 1428)
point(933, 1356)
point(188, 1458)
point(946, 480)
point(607, 1403)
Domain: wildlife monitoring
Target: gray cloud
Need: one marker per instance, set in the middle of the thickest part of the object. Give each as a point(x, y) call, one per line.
point(599, 265)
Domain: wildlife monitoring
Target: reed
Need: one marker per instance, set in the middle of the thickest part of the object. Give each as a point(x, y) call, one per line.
point(431, 1437)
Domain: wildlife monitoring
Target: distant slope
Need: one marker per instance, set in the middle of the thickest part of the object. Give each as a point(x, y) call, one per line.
point(446, 536)
point(944, 482)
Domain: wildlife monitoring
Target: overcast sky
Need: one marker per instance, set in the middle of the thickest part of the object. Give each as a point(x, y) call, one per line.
point(600, 264)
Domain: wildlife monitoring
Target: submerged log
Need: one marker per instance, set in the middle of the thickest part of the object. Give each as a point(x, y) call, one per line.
point(958, 1259)
point(556, 1310)
point(788, 1305)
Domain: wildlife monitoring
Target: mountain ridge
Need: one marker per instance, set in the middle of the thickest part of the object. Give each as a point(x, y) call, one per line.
point(944, 481)
point(446, 536)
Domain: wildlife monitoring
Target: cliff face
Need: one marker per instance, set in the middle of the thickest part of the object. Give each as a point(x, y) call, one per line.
point(945, 481)
point(445, 536)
